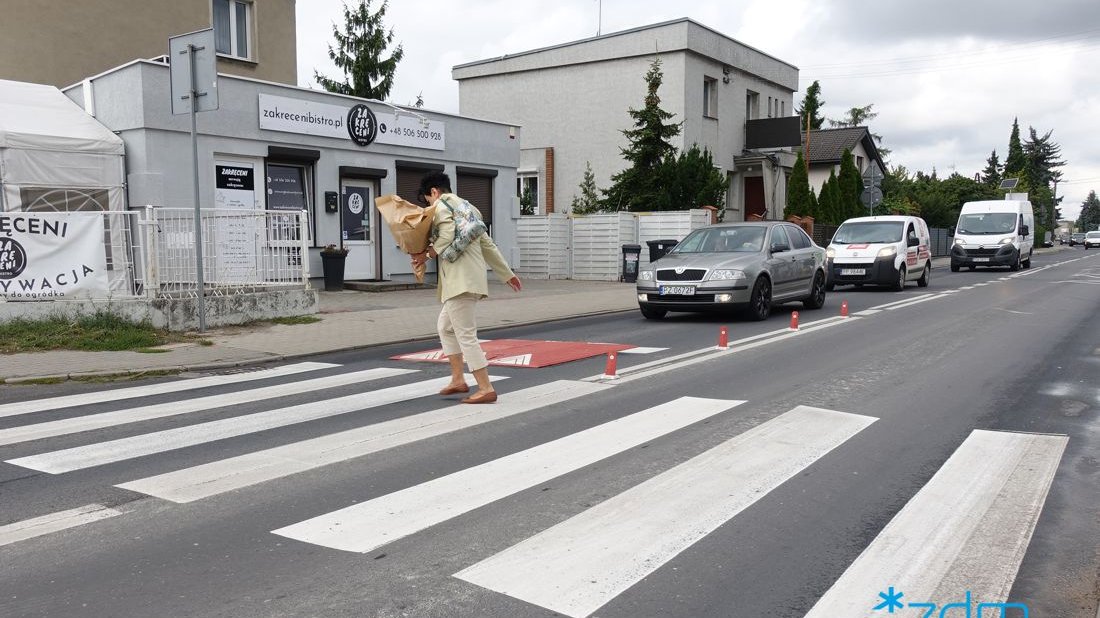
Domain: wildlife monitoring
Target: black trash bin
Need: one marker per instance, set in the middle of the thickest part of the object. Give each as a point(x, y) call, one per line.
point(658, 248)
point(631, 254)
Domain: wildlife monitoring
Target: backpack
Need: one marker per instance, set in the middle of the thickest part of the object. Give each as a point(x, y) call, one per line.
point(468, 227)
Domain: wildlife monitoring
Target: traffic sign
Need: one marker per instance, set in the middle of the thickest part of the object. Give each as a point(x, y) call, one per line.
point(871, 196)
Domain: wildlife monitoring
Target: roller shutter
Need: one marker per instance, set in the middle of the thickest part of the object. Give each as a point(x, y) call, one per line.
point(478, 190)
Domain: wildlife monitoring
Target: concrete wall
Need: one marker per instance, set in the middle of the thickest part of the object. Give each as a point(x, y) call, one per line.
point(60, 43)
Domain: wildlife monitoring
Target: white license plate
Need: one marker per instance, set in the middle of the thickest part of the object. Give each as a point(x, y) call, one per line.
point(677, 290)
point(981, 259)
point(852, 272)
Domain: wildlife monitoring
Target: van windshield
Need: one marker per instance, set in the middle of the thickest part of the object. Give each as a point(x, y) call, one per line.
point(987, 223)
point(868, 232)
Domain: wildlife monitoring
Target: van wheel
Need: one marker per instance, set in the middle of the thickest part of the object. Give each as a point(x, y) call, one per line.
point(760, 303)
point(925, 276)
point(899, 285)
point(1015, 265)
point(653, 314)
point(816, 299)
point(971, 268)
point(1027, 262)
point(954, 268)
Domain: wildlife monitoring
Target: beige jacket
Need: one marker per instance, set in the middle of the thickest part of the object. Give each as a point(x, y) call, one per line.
point(467, 273)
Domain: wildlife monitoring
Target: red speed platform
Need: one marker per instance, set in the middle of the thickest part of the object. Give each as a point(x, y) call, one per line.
point(526, 352)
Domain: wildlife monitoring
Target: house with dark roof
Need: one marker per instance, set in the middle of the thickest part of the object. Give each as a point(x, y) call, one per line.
point(824, 148)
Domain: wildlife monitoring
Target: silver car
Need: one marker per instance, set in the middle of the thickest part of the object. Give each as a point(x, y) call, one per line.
point(749, 266)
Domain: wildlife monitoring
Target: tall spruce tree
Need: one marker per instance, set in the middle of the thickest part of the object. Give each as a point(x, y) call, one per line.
point(1090, 214)
point(811, 107)
point(799, 196)
point(991, 175)
point(588, 202)
point(1016, 163)
point(638, 187)
point(359, 54)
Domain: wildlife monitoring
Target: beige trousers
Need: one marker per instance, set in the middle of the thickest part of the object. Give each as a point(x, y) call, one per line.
point(457, 328)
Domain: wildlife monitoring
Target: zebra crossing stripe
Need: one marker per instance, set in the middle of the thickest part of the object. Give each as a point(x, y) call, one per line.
point(195, 483)
point(118, 394)
point(366, 526)
point(577, 566)
point(966, 530)
point(81, 457)
point(54, 522)
point(67, 426)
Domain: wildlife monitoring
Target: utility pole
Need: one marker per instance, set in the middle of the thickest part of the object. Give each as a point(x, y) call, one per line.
point(599, 16)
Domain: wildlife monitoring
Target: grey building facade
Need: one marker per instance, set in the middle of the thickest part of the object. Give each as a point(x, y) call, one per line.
point(290, 149)
point(572, 101)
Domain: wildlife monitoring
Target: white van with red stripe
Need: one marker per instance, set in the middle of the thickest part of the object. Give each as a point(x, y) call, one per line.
point(887, 250)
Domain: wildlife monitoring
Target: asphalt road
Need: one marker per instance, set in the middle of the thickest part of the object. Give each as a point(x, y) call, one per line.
point(806, 459)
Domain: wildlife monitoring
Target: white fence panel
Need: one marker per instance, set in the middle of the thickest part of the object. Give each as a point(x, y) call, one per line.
point(672, 225)
point(544, 246)
point(597, 245)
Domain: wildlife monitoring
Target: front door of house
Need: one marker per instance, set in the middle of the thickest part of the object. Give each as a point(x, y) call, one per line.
point(356, 209)
point(755, 207)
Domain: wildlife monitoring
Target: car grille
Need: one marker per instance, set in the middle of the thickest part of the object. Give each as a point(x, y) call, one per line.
point(689, 274)
point(676, 298)
point(985, 252)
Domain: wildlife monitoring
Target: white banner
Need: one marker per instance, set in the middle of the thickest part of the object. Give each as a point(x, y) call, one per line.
point(404, 128)
point(50, 256)
point(306, 117)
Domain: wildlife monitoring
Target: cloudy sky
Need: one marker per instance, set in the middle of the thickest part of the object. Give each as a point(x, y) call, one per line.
point(945, 76)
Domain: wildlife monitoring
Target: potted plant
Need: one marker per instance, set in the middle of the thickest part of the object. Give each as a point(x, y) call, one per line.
point(332, 265)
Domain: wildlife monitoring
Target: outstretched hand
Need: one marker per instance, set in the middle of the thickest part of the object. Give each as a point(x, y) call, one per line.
point(515, 283)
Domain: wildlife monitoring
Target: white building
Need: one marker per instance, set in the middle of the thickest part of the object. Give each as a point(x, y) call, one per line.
point(572, 101)
point(827, 147)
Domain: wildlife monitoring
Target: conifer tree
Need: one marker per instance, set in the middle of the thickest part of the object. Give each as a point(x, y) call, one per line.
point(358, 53)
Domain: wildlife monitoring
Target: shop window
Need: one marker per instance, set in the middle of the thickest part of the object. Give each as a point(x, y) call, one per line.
point(233, 28)
point(289, 188)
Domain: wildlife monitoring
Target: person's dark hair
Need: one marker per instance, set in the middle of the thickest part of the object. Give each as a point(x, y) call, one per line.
point(435, 180)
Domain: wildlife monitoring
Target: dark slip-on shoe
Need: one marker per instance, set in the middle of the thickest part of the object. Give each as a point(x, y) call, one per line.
point(481, 397)
point(452, 390)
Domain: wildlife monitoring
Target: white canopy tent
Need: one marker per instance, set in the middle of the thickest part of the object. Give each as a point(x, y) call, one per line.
point(54, 156)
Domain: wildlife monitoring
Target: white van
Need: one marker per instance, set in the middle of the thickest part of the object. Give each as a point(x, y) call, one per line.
point(888, 250)
point(994, 233)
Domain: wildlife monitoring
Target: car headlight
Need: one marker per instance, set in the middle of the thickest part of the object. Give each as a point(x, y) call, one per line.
point(830, 253)
point(646, 275)
point(1005, 241)
point(725, 275)
point(887, 251)
point(959, 241)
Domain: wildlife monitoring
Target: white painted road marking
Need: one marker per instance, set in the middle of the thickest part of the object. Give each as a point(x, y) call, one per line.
point(54, 522)
point(577, 566)
point(69, 401)
point(967, 529)
point(217, 477)
point(67, 426)
point(81, 457)
point(366, 526)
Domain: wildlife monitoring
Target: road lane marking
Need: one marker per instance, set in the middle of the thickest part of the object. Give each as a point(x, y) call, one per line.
point(69, 401)
point(224, 475)
point(54, 522)
point(101, 453)
point(901, 302)
point(966, 530)
point(67, 426)
point(577, 566)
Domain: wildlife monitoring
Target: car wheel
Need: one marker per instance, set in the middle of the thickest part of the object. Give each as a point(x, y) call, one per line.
point(1015, 265)
point(925, 276)
point(954, 268)
point(971, 268)
point(653, 314)
point(830, 286)
point(760, 303)
point(816, 299)
point(899, 285)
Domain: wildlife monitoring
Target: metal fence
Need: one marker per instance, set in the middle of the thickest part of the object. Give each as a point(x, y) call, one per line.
point(243, 250)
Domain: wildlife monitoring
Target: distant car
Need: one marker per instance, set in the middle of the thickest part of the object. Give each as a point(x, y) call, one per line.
point(749, 266)
point(1092, 240)
point(1077, 239)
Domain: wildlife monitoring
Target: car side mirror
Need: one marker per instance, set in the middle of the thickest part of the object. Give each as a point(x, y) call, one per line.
point(1024, 230)
point(914, 242)
point(780, 247)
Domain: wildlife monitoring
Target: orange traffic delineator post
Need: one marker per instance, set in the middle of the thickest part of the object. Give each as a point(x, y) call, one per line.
point(723, 338)
point(794, 320)
point(609, 369)
point(844, 309)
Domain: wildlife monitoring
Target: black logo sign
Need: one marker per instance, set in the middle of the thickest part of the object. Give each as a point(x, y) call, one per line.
point(13, 258)
point(362, 125)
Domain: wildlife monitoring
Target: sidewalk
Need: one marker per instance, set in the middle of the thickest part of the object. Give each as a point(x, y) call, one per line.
point(349, 320)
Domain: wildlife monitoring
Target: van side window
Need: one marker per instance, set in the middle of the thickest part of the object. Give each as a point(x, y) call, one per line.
point(912, 235)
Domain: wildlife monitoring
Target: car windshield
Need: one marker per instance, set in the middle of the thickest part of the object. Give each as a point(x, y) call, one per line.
point(743, 239)
point(868, 232)
point(987, 223)
point(1092, 235)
